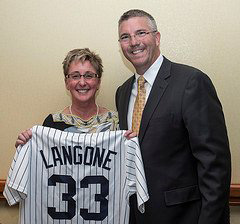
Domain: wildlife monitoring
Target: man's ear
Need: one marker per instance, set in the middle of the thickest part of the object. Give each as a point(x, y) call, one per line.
point(158, 37)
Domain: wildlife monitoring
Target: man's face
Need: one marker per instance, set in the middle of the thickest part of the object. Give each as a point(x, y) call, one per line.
point(140, 51)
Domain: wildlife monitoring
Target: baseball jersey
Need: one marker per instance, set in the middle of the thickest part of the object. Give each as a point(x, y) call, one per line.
point(65, 177)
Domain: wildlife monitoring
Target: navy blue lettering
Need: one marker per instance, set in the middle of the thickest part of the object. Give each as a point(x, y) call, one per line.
point(67, 156)
point(45, 161)
point(56, 156)
point(88, 151)
point(98, 157)
point(76, 148)
point(107, 159)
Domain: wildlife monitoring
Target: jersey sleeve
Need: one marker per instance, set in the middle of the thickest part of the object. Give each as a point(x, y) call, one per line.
point(139, 184)
point(16, 185)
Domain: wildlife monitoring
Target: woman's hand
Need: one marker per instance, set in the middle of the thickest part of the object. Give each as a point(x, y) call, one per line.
point(23, 137)
point(130, 134)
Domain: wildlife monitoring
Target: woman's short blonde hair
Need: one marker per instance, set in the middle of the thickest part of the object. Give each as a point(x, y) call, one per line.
point(83, 54)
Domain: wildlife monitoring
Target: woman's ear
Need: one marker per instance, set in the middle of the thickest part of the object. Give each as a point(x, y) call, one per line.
point(99, 83)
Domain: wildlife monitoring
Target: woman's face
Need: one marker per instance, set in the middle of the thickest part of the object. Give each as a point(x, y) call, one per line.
point(82, 90)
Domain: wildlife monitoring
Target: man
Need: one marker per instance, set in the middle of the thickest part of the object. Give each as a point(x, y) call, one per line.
point(182, 133)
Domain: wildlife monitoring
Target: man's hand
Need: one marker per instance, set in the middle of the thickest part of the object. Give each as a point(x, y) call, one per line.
point(130, 134)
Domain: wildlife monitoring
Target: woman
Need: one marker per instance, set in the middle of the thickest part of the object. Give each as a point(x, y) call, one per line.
point(82, 74)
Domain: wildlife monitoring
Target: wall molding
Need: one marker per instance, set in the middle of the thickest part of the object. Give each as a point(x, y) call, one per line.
point(234, 199)
point(2, 184)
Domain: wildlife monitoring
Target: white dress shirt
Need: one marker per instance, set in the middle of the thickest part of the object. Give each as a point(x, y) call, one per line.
point(149, 76)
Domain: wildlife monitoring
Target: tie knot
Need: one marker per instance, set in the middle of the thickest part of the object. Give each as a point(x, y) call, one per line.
point(141, 81)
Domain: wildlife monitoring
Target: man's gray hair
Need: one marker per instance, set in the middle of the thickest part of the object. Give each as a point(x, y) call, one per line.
point(138, 13)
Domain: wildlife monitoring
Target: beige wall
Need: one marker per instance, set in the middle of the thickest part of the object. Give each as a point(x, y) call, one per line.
point(36, 35)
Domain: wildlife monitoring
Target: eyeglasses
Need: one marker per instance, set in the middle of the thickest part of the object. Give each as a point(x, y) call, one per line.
point(125, 38)
point(77, 76)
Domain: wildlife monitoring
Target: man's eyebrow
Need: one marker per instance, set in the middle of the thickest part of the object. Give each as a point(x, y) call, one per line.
point(124, 34)
point(139, 30)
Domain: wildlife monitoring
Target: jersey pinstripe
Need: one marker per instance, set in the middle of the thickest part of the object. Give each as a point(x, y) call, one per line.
point(65, 177)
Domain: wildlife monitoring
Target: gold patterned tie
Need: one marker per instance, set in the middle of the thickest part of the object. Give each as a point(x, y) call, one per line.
point(139, 105)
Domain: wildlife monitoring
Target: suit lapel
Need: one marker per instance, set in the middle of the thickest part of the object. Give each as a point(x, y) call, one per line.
point(158, 88)
point(125, 102)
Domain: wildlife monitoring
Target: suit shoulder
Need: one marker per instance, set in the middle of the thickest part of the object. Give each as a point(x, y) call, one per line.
point(183, 68)
point(188, 75)
point(187, 71)
point(127, 82)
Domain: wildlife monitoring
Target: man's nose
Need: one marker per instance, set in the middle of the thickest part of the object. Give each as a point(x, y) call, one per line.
point(134, 40)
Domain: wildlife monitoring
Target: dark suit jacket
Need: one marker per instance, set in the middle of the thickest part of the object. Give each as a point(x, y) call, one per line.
point(184, 146)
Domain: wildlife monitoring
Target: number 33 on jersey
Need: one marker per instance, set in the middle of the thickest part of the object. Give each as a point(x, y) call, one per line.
point(76, 178)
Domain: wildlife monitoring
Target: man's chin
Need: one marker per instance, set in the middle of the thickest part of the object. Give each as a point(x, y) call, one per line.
point(138, 62)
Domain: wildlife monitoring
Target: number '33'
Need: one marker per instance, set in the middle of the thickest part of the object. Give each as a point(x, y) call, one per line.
point(71, 192)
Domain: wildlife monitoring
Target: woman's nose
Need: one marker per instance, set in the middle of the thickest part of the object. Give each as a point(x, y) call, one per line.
point(82, 81)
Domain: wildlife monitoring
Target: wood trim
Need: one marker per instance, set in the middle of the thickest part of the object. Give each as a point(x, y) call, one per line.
point(234, 199)
point(2, 184)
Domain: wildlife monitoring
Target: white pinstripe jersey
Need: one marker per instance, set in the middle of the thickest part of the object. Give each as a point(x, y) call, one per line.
point(65, 177)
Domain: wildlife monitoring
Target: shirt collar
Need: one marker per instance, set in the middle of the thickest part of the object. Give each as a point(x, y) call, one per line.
point(151, 73)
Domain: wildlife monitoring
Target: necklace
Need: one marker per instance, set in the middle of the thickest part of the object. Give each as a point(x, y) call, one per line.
point(84, 122)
